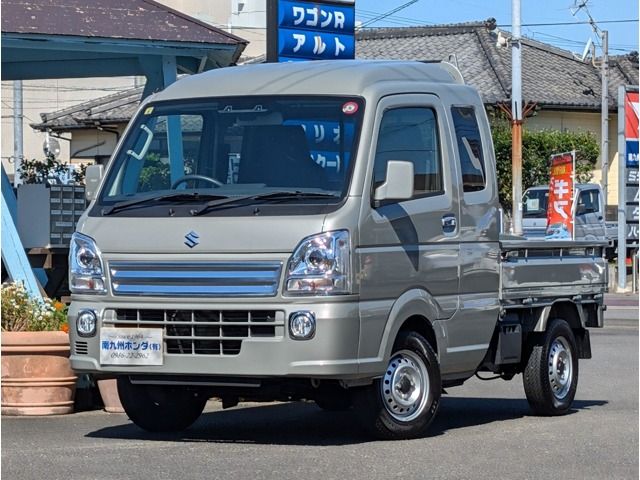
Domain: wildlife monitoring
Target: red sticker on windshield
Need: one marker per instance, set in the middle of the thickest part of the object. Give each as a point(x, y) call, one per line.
point(349, 108)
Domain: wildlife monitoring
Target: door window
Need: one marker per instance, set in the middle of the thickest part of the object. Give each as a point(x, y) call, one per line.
point(588, 202)
point(410, 134)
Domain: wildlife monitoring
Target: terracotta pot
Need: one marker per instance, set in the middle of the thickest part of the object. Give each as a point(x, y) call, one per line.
point(36, 374)
point(109, 393)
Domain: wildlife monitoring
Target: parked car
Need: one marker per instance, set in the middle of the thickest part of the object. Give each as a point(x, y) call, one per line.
point(326, 231)
point(588, 212)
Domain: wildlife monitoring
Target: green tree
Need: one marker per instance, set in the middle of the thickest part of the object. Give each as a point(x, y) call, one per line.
point(154, 174)
point(537, 147)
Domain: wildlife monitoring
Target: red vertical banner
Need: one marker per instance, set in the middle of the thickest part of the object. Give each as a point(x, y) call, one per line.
point(631, 114)
point(561, 188)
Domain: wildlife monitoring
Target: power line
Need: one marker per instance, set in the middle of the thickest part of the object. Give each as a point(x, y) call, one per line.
point(389, 13)
point(553, 24)
point(578, 42)
point(11, 107)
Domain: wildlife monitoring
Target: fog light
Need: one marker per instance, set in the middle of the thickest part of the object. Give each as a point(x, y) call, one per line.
point(302, 325)
point(86, 323)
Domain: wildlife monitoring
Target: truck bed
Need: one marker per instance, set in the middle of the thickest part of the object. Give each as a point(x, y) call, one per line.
point(538, 271)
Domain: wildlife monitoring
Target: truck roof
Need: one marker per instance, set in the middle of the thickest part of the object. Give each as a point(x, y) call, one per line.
point(331, 77)
point(579, 186)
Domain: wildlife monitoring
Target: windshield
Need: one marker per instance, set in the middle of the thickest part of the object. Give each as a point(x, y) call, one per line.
point(534, 204)
point(236, 147)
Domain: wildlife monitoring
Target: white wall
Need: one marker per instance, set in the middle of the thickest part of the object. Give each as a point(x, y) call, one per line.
point(48, 96)
point(244, 18)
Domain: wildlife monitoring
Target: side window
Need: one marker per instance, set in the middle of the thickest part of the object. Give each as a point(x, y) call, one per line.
point(410, 134)
point(470, 148)
point(588, 202)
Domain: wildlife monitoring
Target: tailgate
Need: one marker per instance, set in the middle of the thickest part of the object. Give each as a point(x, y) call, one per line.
point(551, 269)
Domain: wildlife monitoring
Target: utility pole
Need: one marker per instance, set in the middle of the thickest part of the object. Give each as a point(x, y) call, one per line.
point(18, 153)
point(604, 106)
point(604, 148)
point(516, 119)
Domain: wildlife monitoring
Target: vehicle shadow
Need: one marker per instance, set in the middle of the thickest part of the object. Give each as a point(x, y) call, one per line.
point(305, 424)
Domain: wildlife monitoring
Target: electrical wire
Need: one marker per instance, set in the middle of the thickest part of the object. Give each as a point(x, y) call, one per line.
point(554, 24)
point(6, 104)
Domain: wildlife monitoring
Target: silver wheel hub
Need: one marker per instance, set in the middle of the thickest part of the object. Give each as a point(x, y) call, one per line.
point(560, 366)
point(405, 386)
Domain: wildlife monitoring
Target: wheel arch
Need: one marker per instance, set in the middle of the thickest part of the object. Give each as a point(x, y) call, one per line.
point(575, 315)
point(414, 310)
point(567, 310)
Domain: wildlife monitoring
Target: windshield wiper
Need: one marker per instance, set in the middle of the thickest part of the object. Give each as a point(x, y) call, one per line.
point(167, 196)
point(247, 200)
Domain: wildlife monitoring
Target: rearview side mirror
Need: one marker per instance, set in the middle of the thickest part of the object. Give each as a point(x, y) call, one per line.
point(92, 181)
point(398, 184)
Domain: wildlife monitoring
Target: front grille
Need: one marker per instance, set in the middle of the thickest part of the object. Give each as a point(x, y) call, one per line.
point(81, 348)
point(214, 279)
point(202, 332)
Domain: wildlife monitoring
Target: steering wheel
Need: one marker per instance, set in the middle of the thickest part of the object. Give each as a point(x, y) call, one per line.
point(186, 178)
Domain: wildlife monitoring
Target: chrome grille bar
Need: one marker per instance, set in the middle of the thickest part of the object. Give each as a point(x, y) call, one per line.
point(218, 279)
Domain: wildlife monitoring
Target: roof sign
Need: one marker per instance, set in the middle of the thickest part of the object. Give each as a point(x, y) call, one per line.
point(304, 30)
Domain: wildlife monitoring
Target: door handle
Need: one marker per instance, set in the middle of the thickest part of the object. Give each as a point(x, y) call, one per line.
point(449, 223)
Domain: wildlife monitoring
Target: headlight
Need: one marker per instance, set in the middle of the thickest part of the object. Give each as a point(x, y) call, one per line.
point(86, 274)
point(321, 265)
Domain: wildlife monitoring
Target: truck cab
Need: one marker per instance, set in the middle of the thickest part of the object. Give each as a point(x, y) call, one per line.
point(326, 231)
point(588, 212)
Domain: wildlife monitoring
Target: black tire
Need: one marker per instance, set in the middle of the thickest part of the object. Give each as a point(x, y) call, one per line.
point(373, 405)
point(551, 376)
point(160, 408)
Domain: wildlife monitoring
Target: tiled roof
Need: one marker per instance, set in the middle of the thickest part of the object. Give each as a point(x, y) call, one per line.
point(123, 19)
point(551, 77)
point(112, 109)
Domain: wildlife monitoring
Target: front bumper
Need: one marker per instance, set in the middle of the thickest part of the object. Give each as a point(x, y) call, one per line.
point(331, 353)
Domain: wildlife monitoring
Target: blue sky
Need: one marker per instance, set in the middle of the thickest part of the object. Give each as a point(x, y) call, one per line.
point(623, 37)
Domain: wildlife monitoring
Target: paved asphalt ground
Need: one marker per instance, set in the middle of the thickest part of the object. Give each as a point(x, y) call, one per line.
point(483, 430)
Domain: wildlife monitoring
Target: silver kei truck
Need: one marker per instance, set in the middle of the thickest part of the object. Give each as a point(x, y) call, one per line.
point(323, 231)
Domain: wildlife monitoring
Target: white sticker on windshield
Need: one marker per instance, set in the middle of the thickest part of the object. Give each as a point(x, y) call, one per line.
point(533, 203)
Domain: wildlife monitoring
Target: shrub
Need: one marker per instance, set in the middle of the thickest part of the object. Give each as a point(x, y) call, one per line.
point(537, 147)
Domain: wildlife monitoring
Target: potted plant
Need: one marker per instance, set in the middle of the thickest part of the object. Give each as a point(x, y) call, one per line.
point(36, 373)
point(108, 388)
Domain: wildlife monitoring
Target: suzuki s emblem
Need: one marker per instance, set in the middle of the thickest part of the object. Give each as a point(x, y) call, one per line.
point(191, 239)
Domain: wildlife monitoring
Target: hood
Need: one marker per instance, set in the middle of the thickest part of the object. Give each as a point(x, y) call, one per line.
point(268, 234)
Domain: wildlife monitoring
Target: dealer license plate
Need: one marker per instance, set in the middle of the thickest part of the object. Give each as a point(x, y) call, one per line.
point(131, 346)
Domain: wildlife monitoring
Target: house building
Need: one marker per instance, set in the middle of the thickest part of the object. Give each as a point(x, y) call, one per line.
point(565, 89)
point(163, 22)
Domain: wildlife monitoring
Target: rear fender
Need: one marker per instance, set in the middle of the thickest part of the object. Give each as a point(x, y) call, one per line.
point(573, 313)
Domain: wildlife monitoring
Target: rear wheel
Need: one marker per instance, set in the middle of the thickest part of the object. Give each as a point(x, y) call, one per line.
point(160, 408)
point(551, 375)
point(405, 400)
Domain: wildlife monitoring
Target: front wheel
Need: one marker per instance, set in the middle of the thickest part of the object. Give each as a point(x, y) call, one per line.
point(551, 375)
point(160, 408)
point(405, 400)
